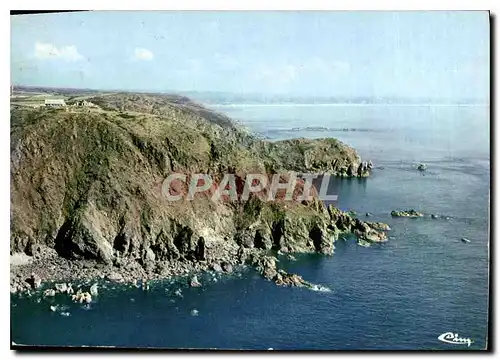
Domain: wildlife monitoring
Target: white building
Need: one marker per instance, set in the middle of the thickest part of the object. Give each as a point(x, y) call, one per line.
point(55, 102)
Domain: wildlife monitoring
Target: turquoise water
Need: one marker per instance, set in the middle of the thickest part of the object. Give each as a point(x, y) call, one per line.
point(401, 294)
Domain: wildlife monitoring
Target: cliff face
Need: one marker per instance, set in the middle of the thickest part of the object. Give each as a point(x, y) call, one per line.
point(88, 184)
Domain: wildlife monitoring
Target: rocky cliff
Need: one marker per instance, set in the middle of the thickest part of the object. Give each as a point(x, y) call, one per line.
point(88, 186)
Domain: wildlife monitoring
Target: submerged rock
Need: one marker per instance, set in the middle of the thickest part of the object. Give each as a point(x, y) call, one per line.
point(194, 312)
point(409, 213)
point(291, 257)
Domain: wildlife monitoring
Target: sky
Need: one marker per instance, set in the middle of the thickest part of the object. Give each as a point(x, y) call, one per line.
point(317, 53)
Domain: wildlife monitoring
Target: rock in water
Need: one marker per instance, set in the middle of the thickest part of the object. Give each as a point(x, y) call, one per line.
point(62, 288)
point(82, 297)
point(373, 232)
point(363, 243)
point(216, 267)
point(114, 276)
point(434, 216)
point(53, 308)
point(178, 292)
point(409, 213)
point(422, 167)
point(465, 240)
point(49, 293)
point(266, 265)
point(227, 267)
point(368, 214)
point(194, 312)
point(379, 226)
point(194, 282)
point(93, 290)
point(285, 279)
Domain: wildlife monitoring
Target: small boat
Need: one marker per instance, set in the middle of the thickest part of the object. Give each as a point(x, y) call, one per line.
point(465, 240)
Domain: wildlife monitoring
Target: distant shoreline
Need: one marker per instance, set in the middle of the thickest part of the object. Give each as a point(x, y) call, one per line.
point(344, 104)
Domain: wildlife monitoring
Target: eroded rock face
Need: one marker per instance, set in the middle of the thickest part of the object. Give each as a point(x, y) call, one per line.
point(81, 238)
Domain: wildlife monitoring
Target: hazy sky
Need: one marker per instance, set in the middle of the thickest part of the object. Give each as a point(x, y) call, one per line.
point(409, 54)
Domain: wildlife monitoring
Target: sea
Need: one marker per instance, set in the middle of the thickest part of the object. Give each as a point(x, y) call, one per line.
point(404, 294)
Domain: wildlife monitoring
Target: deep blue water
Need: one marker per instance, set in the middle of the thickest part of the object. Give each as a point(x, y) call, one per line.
point(398, 295)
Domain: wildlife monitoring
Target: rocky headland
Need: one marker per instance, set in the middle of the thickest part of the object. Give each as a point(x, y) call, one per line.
point(87, 202)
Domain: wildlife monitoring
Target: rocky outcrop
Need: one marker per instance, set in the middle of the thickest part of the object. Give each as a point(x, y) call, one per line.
point(82, 297)
point(379, 226)
point(422, 167)
point(267, 266)
point(285, 279)
point(409, 213)
point(88, 187)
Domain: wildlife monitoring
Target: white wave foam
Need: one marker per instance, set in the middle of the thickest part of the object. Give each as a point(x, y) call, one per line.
point(320, 288)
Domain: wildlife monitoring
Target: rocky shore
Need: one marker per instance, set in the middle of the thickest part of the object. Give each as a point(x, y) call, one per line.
point(47, 265)
point(87, 201)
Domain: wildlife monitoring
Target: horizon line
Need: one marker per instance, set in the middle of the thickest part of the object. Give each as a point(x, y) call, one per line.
point(446, 101)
